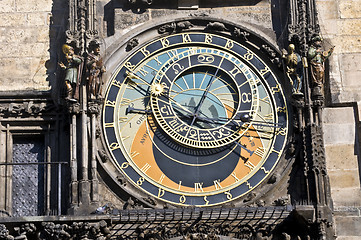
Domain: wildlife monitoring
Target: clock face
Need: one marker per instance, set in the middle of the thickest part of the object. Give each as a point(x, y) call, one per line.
point(195, 119)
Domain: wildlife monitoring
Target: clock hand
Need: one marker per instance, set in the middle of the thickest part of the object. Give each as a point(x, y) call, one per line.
point(137, 110)
point(240, 145)
point(131, 76)
point(242, 120)
point(203, 97)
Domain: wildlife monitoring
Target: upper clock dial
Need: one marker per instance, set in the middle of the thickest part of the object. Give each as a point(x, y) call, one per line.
point(205, 94)
point(195, 119)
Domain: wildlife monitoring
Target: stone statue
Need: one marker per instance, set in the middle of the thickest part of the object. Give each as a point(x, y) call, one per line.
point(293, 68)
point(95, 70)
point(317, 57)
point(72, 67)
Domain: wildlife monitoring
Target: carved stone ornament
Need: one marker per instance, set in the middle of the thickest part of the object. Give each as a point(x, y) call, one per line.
point(73, 108)
point(175, 27)
point(25, 109)
point(241, 34)
point(132, 44)
point(216, 26)
point(93, 108)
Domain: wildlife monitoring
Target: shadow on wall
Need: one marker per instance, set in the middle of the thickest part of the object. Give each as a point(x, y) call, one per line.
point(126, 6)
point(280, 12)
point(57, 27)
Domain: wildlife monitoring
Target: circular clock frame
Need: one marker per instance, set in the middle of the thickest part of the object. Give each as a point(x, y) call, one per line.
point(130, 72)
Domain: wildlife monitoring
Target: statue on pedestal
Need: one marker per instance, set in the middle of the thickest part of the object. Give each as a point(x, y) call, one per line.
point(95, 70)
point(72, 67)
point(293, 69)
point(317, 58)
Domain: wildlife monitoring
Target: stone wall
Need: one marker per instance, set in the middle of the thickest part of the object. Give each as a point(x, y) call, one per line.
point(28, 31)
point(340, 22)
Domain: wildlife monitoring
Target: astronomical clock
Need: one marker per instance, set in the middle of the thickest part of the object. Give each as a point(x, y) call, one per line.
point(194, 116)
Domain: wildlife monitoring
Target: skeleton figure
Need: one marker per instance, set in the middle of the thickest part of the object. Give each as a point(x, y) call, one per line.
point(293, 68)
point(72, 68)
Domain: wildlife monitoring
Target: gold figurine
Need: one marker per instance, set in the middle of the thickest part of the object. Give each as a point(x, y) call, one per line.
point(72, 68)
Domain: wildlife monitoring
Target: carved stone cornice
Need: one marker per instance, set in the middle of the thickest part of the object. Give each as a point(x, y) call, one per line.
point(25, 109)
point(82, 24)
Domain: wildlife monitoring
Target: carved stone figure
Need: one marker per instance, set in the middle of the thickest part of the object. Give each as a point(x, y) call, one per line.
point(72, 68)
point(293, 69)
point(4, 233)
point(317, 58)
point(95, 70)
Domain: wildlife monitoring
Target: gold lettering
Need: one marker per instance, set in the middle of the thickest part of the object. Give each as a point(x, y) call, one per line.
point(205, 199)
point(125, 102)
point(208, 38)
point(109, 124)
point(276, 89)
point(122, 119)
point(140, 181)
point(157, 60)
point(229, 195)
point(145, 51)
point(186, 38)
point(217, 184)
point(164, 42)
point(143, 72)
point(259, 151)
point(161, 178)
point(124, 165)
point(182, 199)
point(229, 44)
point(116, 83)
point(198, 187)
point(249, 165)
point(179, 185)
point(110, 103)
point(235, 177)
point(145, 168)
point(248, 56)
point(264, 71)
point(134, 154)
point(248, 184)
point(161, 192)
point(129, 66)
point(114, 146)
point(234, 71)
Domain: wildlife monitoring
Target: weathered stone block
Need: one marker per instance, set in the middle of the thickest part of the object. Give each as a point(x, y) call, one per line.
point(26, 50)
point(327, 10)
point(15, 67)
point(339, 134)
point(341, 157)
point(348, 44)
point(350, 8)
point(348, 226)
point(12, 19)
point(349, 26)
point(7, 5)
point(344, 178)
point(253, 15)
point(123, 19)
point(33, 5)
point(346, 196)
point(37, 19)
point(340, 115)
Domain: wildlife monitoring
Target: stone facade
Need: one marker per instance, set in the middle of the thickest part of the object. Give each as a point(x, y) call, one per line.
point(28, 32)
point(340, 22)
point(32, 32)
